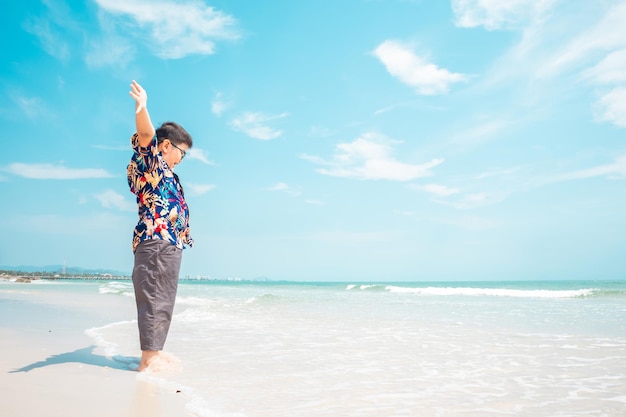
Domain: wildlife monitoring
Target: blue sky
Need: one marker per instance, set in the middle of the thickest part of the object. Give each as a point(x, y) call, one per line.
point(352, 140)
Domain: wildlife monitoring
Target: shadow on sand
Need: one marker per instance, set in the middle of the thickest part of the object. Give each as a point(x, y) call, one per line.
point(87, 357)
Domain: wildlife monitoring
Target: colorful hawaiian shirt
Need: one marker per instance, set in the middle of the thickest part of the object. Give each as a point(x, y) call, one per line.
point(163, 211)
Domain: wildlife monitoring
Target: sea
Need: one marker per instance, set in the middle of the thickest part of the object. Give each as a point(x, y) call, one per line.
point(362, 349)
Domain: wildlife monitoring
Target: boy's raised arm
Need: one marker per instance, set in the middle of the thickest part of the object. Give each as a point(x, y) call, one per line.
point(144, 126)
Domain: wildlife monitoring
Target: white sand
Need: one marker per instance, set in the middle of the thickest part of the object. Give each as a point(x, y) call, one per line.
point(49, 366)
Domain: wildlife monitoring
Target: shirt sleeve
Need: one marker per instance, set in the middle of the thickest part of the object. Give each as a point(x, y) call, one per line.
point(145, 158)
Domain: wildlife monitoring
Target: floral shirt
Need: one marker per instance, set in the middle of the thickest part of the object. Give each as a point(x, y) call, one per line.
point(163, 211)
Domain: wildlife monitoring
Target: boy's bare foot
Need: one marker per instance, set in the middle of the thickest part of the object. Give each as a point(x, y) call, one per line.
point(147, 357)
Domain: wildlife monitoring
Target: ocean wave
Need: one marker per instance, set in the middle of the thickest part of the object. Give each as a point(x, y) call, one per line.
point(116, 287)
point(470, 291)
point(193, 301)
point(366, 287)
point(97, 334)
point(195, 315)
point(265, 298)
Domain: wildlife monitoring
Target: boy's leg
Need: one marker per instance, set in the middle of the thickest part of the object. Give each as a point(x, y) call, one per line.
point(155, 280)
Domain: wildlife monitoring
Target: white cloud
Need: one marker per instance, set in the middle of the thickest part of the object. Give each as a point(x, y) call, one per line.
point(30, 106)
point(462, 202)
point(606, 36)
point(49, 36)
point(112, 50)
point(112, 199)
point(370, 157)
point(499, 14)
point(176, 29)
point(611, 107)
point(436, 189)
point(255, 125)
point(198, 189)
point(412, 70)
point(610, 70)
point(218, 105)
point(605, 39)
point(55, 172)
point(583, 43)
point(281, 186)
point(615, 170)
point(560, 46)
point(200, 155)
point(481, 131)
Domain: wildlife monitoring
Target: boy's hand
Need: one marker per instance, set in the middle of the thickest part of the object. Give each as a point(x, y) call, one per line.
point(139, 95)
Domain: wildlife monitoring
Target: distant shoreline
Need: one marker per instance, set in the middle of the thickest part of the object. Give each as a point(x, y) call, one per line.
point(21, 276)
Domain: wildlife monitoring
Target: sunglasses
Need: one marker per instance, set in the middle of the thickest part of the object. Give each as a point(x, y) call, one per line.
point(182, 153)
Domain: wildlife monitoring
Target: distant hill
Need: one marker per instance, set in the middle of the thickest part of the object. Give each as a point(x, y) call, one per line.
point(57, 269)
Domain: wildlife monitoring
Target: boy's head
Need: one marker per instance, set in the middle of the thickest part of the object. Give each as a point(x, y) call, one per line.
point(175, 133)
point(174, 142)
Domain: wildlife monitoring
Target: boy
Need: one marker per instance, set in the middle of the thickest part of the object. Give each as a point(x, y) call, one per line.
point(163, 228)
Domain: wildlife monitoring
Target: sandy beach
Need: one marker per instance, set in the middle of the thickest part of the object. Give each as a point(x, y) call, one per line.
point(480, 349)
point(50, 367)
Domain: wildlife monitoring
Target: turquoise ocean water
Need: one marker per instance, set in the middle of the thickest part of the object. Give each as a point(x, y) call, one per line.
point(554, 348)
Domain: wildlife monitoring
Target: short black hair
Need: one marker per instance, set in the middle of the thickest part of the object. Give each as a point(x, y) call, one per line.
point(175, 133)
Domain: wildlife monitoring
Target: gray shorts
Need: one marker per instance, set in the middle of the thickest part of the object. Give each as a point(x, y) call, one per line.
point(155, 279)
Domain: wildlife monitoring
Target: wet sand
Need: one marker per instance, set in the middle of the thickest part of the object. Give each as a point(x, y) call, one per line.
point(49, 366)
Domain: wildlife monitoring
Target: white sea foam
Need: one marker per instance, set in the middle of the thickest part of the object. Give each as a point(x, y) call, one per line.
point(194, 315)
point(110, 348)
point(362, 286)
point(493, 292)
point(376, 350)
point(116, 287)
point(196, 301)
point(473, 291)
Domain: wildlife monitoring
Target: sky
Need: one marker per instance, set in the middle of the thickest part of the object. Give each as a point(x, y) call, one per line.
point(352, 140)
